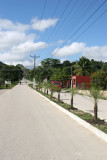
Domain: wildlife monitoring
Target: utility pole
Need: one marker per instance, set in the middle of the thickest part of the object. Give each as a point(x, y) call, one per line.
point(34, 67)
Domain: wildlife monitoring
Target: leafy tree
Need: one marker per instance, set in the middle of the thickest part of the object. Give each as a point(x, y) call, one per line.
point(95, 65)
point(50, 62)
point(104, 67)
point(66, 63)
point(56, 74)
point(13, 73)
point(82, 67)
point(99, 78)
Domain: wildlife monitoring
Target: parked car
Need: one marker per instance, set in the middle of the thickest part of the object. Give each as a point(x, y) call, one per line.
point(58, 83)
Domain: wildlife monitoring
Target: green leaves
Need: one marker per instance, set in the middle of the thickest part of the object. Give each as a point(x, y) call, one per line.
point(82, 67)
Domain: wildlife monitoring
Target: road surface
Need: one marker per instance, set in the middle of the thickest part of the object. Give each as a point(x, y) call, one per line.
point(33, 129)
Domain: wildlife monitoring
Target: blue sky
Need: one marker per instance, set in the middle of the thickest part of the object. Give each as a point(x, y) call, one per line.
point(52, 28)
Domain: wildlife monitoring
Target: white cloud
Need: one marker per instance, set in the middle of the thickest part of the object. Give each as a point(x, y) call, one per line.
point(17, 40)
point(11, 38)
point(69, 50)
point(21, 52)
point(94, 52)
point(43, 24)
point(6, 24)
point(25, 63)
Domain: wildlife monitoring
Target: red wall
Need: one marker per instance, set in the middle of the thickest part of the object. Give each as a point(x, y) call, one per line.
point(79, 80)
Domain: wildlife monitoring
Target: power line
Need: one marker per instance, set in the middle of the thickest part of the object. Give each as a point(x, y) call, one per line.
point(42, 14)
point(67, 16)
point(83, 24)
point(78, 19)
point(90, 25)
point(59, 19)
point(81, 16)
point(54, 12)
point(56, 8)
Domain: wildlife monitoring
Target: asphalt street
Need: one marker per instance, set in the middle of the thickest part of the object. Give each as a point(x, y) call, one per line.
point(31, 128)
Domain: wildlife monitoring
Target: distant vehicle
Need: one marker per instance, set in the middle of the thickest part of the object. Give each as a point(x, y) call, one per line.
point(58, 83)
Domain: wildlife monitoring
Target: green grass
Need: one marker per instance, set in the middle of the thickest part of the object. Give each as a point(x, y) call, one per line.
point(100, 124)
point(9, 86)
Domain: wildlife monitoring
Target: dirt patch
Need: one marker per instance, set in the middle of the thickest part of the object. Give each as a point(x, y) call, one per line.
point(99, 121)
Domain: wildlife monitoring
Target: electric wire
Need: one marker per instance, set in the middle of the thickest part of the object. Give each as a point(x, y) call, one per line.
point(90, 25)
point(59, 20)
point(67, 16)
point(42, 13)
point(83, 24)
point(81, 6)
point(53, 14)
point(80, 18)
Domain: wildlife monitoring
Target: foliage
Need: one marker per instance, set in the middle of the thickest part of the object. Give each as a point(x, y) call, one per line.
point(96, 93)
point(50, 62)
point(13, 73)
point(53, 69)
point(82, 67)
point(73, 91)
point(99, 78)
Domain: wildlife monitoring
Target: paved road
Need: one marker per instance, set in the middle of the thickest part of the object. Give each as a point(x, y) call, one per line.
point(33, 129)
point(85, 103)
point(2, 91)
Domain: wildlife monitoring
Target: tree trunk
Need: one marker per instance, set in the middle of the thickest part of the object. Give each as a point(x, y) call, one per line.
point(71, 102)
point(47, 91)
point(58, 96)
point(51, 93)
point(95, 111)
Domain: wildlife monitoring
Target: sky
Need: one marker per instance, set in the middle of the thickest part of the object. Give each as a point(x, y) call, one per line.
point(62, 29)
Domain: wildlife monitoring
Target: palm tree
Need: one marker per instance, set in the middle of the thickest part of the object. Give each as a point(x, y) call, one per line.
point(96, 93)
point(82, 67)
point(73, 91)
point(46, 87)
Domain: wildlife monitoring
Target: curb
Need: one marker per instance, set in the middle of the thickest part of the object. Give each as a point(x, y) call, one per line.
point(91, 128)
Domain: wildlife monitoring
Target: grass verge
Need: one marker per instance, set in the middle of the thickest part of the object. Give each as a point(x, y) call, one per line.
point(9, 86)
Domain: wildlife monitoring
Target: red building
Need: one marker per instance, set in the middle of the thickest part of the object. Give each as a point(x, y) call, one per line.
point(81, 81)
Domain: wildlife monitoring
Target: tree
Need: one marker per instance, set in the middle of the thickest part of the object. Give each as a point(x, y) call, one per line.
point(73, 91)
point(66, 63)
point(96, 93)
point(82, 67)
point(50, 62)
point(99, 78)
point(56, 75)
point(55, 88)
point(13, 73)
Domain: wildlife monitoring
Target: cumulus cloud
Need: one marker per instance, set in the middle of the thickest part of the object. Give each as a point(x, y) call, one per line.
point(43, 24)
point(94, 52)
point(6, 24)
point(69, 50)
point(11, 38)
point(19, 53)
point(17, 41)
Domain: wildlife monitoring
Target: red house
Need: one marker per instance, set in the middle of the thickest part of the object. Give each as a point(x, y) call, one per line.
point(81, 81)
